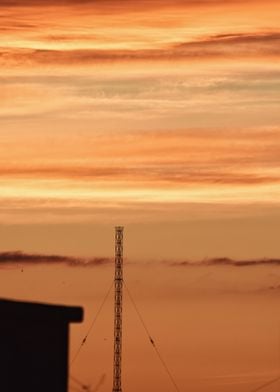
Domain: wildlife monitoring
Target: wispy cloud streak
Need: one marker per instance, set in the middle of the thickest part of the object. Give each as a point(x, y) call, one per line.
point(21, 258)
point(227, 46)
point(144, 4)
point(18, 257)
point(161, 173)
point(224, 261)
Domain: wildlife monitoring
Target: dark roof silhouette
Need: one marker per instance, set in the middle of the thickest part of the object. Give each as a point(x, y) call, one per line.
point(18, 310)
point(34, 341)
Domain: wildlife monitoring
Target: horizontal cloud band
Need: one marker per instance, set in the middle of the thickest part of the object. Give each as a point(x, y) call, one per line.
point(18, 257)
point(224, 261)
point(227, 46)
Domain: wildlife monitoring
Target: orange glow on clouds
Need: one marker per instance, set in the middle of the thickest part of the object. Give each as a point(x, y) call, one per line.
point(112, 110)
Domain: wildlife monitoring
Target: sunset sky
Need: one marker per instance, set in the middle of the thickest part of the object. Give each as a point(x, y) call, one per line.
point(159, 115)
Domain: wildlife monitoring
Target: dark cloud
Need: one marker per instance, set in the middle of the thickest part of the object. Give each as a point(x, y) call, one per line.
point(20, 258)
point(233, 39)
point(121, 5)
point(224, 261)
point(273, 288)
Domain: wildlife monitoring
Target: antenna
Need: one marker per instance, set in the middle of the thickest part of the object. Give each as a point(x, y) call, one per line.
point(117, 381)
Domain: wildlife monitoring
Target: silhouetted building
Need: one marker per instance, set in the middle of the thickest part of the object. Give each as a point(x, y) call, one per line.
point(34, 340)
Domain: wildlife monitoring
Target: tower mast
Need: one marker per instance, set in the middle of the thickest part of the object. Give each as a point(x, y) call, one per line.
point(117, 385)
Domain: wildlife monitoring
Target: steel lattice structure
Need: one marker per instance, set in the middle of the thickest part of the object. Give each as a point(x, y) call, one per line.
point(117, 381)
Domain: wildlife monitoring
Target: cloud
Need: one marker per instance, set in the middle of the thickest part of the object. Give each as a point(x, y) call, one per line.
point(20, 258)
point(215, 157)
point(227, 46)
point(232, 45)
point(160, 173)
point(120, 5)
point(275, 287)
point(224, 261)
point(15, 26)
point(234, 39)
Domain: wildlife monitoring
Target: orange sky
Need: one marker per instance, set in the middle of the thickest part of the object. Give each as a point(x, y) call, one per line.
point(217, 325)
point(141, 113)
point(162, 116)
